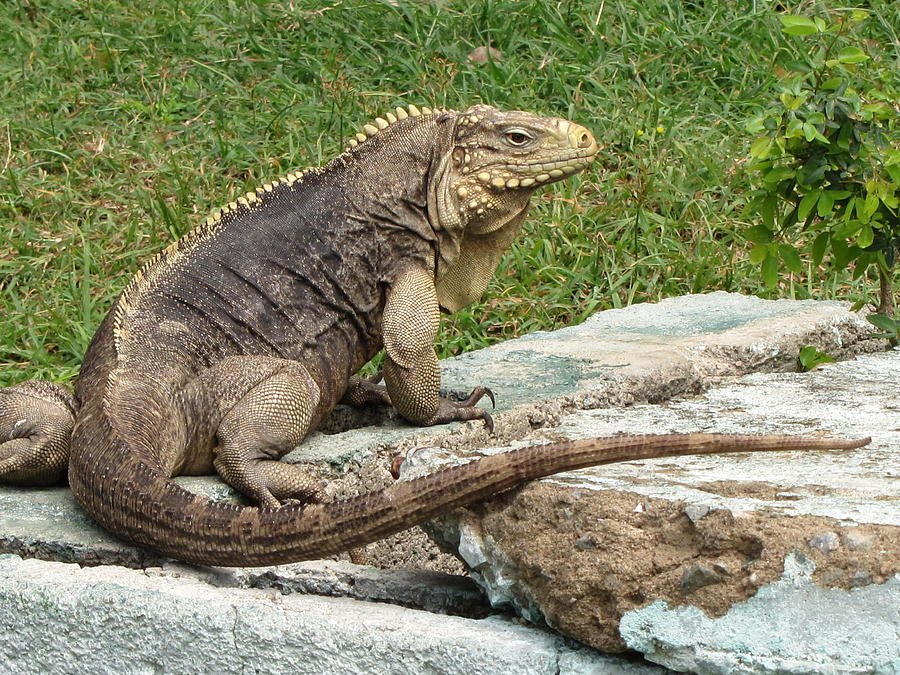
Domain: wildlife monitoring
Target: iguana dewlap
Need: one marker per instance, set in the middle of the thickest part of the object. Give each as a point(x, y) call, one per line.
point(232, 344)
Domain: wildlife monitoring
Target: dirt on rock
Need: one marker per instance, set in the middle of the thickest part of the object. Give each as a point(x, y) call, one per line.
point(587, 556)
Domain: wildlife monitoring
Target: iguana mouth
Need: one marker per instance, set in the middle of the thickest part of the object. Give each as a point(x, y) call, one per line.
point(527, 174)
point(567, 165)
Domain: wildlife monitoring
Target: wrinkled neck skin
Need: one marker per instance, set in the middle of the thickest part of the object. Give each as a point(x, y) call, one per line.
point(475, 226)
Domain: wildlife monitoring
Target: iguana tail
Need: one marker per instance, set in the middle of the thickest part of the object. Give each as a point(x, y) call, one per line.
point(135, 500)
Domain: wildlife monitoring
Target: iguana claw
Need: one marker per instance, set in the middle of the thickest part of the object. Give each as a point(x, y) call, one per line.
point(489, 422)
point(477, 394)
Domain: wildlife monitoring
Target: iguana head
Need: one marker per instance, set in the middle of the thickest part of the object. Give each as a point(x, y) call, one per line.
point(499, 158)
point(483, 165)
point(479, 194)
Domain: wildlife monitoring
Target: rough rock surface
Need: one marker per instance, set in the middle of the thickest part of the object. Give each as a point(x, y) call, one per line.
point(59, 618)
point(582, 549)
point(790, 625)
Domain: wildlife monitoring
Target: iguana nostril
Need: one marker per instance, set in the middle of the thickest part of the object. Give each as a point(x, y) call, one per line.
point(580, 137)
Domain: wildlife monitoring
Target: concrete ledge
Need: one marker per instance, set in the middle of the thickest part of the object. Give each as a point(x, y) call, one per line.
point(59, 617)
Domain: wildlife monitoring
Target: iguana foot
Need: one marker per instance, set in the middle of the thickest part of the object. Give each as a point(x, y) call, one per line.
point(477, 394)
point(362, 391)
point(460, 411)
point(36, 420)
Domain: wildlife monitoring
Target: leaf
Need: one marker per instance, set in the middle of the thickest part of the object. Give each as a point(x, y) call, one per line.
point(860, 205)
point(778, 174)
point(831, 84)
point(807, 203)
point(870, 206)
point(865, 237)
point(761, 147)
point(791, 258)
point(852, 55)
point(798, 25)
point(767, 211)
point(825, 203)
point(819, 245)
point(847, 229)
point(809, 131)
point(885, 323)
point(794, 128)
point(810, 357)
point(770, 271)
point(813, 171)
point(756, 125)
point(841, 253)
point(759, 253)
point(844, 136)
point(812, 133)
point(758, 234)
point(816, 118)
point(893, 171)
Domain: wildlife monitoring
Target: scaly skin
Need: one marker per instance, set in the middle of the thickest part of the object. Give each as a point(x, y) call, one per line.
point(229, 347)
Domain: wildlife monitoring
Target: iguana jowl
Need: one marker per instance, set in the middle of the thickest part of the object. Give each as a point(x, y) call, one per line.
point(231, 345)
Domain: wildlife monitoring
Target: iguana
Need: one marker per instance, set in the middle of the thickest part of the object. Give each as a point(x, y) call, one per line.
point(233, 343)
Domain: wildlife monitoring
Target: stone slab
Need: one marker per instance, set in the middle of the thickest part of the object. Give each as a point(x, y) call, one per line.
point(57, 617)
point(659, 349)
point(61, 618)
point(710, 534)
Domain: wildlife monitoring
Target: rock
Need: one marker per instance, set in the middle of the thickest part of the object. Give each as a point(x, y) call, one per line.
point(586, 542)
point(825, 542)
point(857, 541)
point(578, 551)
point(696, 511)
point(698, 576)
point(484, 54)
point(791, 626)
point(745, 513)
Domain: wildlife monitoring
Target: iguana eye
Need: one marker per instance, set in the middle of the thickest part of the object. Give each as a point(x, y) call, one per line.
point(517, 136)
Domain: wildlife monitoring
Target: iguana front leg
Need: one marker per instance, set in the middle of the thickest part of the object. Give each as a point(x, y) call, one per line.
point(411, 371)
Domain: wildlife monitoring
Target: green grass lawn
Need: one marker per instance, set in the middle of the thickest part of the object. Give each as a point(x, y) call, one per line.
point(122, 125)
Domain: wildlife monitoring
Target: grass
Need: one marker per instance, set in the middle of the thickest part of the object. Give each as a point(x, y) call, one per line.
point(123, 125)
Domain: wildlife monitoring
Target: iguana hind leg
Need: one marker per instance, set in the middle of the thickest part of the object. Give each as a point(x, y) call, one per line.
point(36, 420)
point(270, 407)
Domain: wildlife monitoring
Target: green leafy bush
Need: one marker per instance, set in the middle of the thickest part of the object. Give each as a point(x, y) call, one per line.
point(827, 156)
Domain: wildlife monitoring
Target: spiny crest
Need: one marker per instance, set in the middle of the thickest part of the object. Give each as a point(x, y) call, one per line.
point(380, 123)
point(147, 276)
